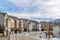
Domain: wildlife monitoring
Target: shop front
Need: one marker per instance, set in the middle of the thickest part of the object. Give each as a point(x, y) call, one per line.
point(1, 31)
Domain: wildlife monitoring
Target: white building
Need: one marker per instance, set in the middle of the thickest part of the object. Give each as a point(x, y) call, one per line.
point(56, 31)
point(39, 26)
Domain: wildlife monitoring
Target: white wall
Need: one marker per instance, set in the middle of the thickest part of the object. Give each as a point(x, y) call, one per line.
point(39, 26)
point(56, 30)
point(30, 26)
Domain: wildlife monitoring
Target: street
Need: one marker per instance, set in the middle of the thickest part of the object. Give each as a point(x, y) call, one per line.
point(3, 38)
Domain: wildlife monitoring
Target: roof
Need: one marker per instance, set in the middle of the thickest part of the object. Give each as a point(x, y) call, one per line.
point(3, 13)
point(13, 17)
point(24, 19)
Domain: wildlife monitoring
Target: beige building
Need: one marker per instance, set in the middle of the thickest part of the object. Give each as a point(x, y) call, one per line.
point(34, 25)
point(9, 23)
point(15, 24)
point(3, 23)
point(28, 25)
point(24, 24)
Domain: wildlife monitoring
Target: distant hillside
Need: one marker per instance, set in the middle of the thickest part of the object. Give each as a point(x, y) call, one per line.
point(57, 20)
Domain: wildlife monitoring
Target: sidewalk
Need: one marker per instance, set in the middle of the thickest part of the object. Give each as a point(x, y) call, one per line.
point(3, 38)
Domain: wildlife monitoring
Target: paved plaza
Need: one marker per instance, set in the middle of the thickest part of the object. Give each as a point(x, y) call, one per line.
point(3, 38)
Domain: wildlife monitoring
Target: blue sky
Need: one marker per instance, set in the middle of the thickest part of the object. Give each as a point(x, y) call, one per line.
point(46, 10)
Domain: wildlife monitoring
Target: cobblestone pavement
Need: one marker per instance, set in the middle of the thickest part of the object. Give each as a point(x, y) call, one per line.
point(3, 38)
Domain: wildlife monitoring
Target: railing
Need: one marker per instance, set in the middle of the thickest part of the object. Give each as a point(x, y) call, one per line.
point(28, 37)
point(22, 37)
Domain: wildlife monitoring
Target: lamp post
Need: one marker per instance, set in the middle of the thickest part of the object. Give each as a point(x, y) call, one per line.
point(8, 28)
point(59, 31)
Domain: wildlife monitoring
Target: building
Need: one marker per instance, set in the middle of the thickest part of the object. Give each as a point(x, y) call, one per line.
point(14, 24)
point(39, 26)
point(51, 29)
point(34, 25)
point(56, 30)
point(28, 25)
point(3, 23)
point(24, 24)
point(47, 28)
point(9, 23)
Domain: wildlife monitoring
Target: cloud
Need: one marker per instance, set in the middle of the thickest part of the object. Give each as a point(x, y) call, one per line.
point(51, 7)
point(37, 17)
point(34, 15)
point(28, 5)
point(32, 8)
point(25, 15)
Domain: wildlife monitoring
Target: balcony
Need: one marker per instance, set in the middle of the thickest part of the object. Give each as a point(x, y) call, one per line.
point(50, 28)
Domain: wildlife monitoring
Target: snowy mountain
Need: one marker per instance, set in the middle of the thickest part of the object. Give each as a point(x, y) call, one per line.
point(57, 20)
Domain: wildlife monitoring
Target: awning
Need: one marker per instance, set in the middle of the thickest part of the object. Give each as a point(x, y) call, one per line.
point(49, 33)
point(15, 29)
point(1, 27)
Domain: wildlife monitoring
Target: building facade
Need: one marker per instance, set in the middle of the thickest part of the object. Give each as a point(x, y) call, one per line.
point(13, 24)
point(3, 23)
point(56, 30)
point(8, 23)
point(47, 28)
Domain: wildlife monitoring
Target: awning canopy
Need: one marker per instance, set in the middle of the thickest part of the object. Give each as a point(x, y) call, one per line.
point(15, 29)
point(49, 33)
point(1, 27)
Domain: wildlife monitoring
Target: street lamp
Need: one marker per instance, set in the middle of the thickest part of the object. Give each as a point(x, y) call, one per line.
point(8, 27)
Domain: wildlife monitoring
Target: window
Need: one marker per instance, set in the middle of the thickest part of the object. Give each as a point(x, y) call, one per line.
point(1, 30)
point(42, 29)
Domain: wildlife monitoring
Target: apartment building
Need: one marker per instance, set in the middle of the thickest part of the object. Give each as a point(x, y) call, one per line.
point(6, 22)
point(9, 23)
point(28, 25)
point(56, 30)
point(24, 24)
point(47, 27)
point(3, 23)
point(39, 26)
point(51, 29)
point(14, 24)
point(34, 25)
